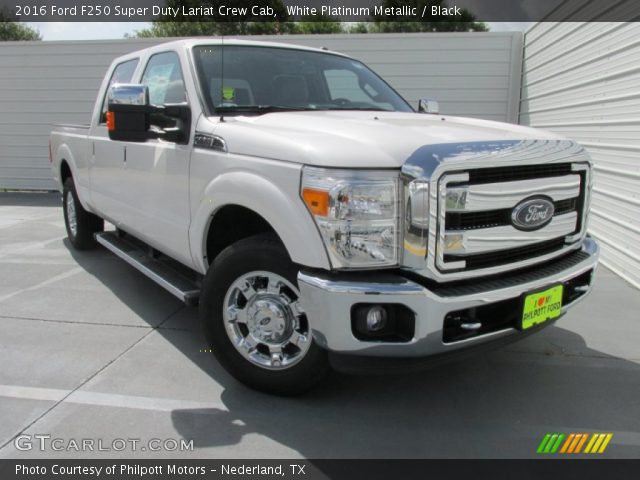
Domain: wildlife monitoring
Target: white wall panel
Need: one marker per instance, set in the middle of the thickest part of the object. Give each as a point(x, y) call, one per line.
point(582, 80)
point(41, 83)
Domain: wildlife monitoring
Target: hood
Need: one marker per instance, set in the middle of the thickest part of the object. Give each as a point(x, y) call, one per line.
point(356, 139)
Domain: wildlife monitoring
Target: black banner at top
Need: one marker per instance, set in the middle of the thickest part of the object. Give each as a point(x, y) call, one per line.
point(320, 10)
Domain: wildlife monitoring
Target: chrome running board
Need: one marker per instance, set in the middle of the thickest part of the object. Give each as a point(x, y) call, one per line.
point(161, 272)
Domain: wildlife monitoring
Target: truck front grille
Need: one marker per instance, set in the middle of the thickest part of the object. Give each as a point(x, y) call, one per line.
point(475, 230)
point(496, 218)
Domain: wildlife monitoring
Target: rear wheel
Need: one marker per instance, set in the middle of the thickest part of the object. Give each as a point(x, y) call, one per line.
point(254, 320)
point(81, 225)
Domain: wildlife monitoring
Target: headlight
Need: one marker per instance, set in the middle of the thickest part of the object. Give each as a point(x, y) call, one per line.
point(357, 214)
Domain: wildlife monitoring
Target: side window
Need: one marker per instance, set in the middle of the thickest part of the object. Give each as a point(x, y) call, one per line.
point(163, 76)
point(123, 73)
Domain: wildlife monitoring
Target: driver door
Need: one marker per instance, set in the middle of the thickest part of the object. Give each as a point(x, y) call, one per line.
point(156, 172)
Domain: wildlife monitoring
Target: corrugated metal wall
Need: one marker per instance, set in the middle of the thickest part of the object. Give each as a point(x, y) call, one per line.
point(472, 74)
point(582, 80)
point(42, 83)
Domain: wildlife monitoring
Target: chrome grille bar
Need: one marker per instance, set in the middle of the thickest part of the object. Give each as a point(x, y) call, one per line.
point(494, 196)
point(470, 242)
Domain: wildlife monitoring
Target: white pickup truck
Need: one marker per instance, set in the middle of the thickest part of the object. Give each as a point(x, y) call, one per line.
point(317, 219)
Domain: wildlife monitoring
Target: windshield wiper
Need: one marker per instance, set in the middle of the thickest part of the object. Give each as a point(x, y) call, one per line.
point(364, 109)
point(260, 109)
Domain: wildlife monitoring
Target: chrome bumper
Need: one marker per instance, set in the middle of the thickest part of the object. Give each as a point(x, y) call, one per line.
point(328, 301)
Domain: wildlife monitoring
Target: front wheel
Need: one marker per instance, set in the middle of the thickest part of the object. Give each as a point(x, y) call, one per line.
point(254, 320)
point(80, 224)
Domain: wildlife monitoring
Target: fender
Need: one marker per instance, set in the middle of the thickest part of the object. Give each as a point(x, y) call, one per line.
point(288, 217)
point(63, 152)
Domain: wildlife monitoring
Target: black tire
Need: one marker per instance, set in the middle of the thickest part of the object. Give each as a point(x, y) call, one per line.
point(258, 253)
point(81, 237)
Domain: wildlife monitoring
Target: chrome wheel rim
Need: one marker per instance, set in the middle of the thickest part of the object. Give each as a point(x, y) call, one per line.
point(265, 320)
point(71, 214)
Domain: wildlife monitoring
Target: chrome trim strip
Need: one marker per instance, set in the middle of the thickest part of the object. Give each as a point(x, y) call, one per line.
point(497, 196)
point(505, 237)
point(416, 221)
point(441, 225)
point(586, 203)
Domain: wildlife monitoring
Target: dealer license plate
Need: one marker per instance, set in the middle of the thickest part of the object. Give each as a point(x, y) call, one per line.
point(542, 306)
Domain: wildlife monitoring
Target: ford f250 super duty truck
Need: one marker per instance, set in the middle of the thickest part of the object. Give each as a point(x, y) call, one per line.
point(317, 219)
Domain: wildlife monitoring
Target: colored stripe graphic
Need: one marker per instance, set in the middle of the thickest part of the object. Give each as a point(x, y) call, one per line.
point(598, 443)
point(550, 443)
point(581, 443)
point(543, 443)
point(605, 442)
point(556, 445)
point(567, 443)
point(573, 443)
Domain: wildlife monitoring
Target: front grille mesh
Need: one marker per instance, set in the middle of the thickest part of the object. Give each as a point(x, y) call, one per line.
point(525, 172)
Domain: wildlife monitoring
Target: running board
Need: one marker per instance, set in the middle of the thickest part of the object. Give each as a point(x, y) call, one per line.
point(160, 272)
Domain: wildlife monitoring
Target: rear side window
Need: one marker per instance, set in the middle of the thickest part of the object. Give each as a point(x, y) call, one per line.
point(163, 76)
point(123, 73)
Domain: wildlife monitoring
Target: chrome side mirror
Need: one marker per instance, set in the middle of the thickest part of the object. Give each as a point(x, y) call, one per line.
point(128, 112)
point(130, 116)
point(427, 105)
point(128, 94)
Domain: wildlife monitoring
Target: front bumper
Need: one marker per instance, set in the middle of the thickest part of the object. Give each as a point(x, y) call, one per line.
point(328, 301)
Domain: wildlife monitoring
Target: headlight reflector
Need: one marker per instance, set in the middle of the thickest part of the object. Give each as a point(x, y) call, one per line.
point(357, 213)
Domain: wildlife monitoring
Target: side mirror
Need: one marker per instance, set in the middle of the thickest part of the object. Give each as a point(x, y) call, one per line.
point(426, 105)
point(128, 112)
point(131, 117)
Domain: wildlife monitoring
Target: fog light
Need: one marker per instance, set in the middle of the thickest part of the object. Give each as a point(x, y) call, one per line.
point(382, 322)
point(376, 318)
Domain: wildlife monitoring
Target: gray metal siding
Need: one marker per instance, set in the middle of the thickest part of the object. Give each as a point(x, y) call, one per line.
point(41, 83)
point(470, 74)
point(582, 80)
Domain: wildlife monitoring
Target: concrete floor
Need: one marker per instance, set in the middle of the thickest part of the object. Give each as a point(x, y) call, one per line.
point(91, 349)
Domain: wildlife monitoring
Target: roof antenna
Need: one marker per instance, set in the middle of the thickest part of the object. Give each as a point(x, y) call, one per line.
point(222, 78)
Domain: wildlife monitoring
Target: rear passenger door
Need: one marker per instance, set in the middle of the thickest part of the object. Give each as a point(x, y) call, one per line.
point(155, 180)
point(106, 156)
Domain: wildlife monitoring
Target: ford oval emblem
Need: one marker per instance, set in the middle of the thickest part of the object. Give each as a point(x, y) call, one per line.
point(532, 213)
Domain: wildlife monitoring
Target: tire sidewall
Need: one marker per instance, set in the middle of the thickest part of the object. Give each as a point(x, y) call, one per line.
point(87, 224)
point(255, 254)
point(70, 189)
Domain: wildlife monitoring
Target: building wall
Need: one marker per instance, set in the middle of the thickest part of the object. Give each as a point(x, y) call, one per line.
point(582, 80)
point(42, 83)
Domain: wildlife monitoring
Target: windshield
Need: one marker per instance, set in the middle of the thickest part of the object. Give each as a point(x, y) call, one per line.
point(267, 79)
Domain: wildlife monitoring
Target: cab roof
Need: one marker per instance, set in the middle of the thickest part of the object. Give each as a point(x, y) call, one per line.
point(188, 43)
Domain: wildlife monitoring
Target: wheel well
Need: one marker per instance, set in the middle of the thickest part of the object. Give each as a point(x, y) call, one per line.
point(65, 171)
point(232, 223)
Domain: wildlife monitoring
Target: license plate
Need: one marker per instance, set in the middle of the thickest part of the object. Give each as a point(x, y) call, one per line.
point(542, 306)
